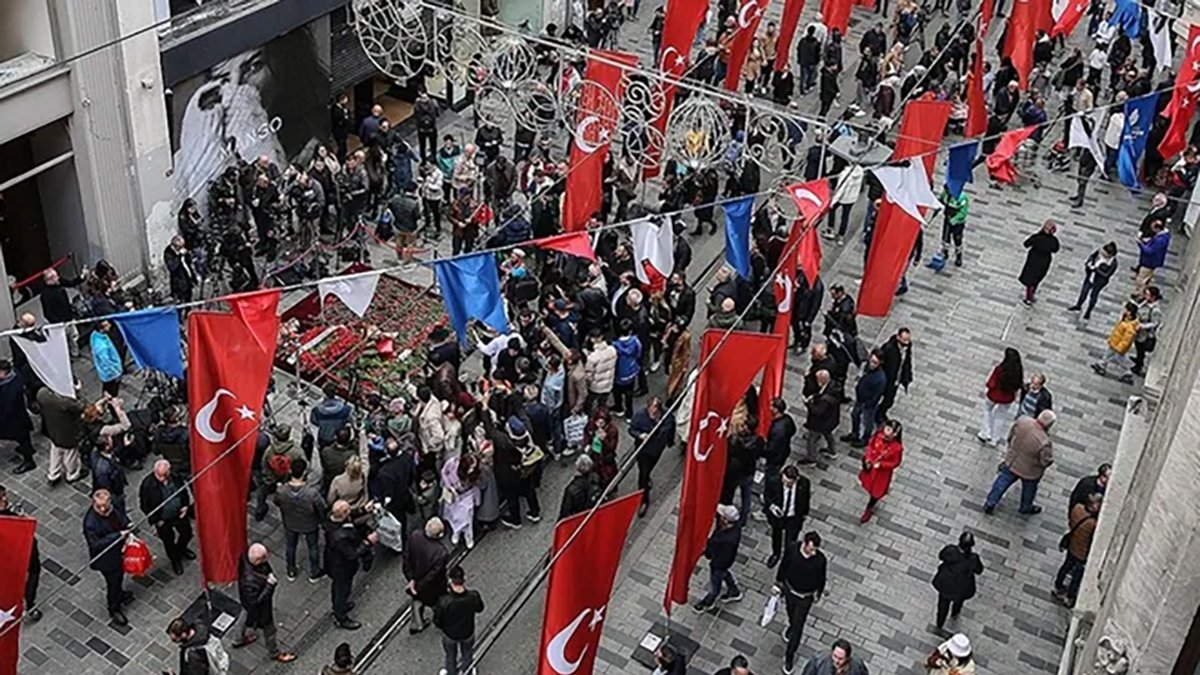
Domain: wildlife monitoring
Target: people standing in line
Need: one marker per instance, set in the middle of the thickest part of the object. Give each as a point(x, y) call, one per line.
point(425, 559)
point(1097, 271)
point(1003, 385)
point(15, 424)
point(884, 453)
point(455, 616)
point(1148, 316)
point(954, 581)
point(1041, 245)
point(105, 526)
point(721, 551)
point(1030, 453)
point(652, 435)
point(786, 497)
point(163, 497)
point(1120, 341)
point(345, 550)
point(1090, 485)
point(256, 591)
point(839, 661)
point(1152, 254)
point(801, 580)
point(897, 365)
point(952, 657)
point(301, 509)
point(1078, 540)
point(824, 414)
point(868, 395)
point(1034, 397)
point(34, 573)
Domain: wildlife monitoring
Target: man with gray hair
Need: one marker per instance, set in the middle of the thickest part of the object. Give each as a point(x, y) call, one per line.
point(163, 497)
point(256, 591)
point(721, 551)
point(425, 560)
point(581, 493)
point(824, 414)
point(1030, 452)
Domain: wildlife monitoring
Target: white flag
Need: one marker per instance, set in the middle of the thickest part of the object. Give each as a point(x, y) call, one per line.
point(908, 187)
point(357, 292)
point(1160, 38)
point(653, 244)
point(1081, 138)
point(46, 349)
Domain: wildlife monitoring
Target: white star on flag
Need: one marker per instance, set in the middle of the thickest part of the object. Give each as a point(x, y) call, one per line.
point(7, 616)
point(245, 412)
point(908, 187)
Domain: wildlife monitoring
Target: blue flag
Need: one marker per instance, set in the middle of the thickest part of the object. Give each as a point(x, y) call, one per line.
point(1128, 15)
point(737, 234)
point(959, 164)
point(1139, 116)
point(471, 290)
point(153, 338)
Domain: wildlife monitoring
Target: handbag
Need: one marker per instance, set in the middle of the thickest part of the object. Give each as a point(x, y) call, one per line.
point(769, 610)
point(136, 558)
point(1065, 542)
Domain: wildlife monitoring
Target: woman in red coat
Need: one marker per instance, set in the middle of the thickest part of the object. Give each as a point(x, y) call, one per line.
point(601, 437)
point(883, 454)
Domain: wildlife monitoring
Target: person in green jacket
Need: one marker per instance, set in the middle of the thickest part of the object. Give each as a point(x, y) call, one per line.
point(955, 215)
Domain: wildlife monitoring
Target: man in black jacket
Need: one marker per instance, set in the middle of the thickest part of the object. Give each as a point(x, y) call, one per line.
point(581, 493)
point(56, 305)
point(256, 591)
point(345, 547)
point(786, 496)
point(808, 55)
point(824, 413)
point(897, 365)
point(806, 304)
point(651, 437)
point(395, 475)
point(105, 526)
point(1090, 485)
point(721, 551)
point(164, 500)
point(455, 615)
point(426, 113)
point(779, 438)
point(425, 558)
point(193, 656)
point(801, 581)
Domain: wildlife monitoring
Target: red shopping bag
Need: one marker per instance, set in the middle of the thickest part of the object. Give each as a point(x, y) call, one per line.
point(137, 559)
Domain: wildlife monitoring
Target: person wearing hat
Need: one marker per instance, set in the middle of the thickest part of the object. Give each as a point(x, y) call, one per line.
point(952, 657)
point(721, 551)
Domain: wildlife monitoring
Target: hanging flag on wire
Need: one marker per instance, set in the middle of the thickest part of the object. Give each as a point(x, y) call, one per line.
point(355, 292)
point(595, 123)
point(1085, 133)
point(653, 251)
point(737, 234)
point(722, 383)
point(1160, 39)
point(580, 586)
point(1128, 15)
point(1027, 16)
point(470, 287)
point(787, 31)
point(228, 371)
point(572, 243)
point(959, 164)
point(977, 115)
point(680, 24)
point(749, 15)
point(16, 539)
point(1139, 116)
point(153, 338)
point(49, 356)
point(1183, 98)
point(907, 187)
point(999, 163)
point(1065, 22)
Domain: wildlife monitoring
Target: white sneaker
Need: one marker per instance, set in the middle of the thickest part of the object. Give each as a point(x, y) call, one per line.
point(470, 543)
point(454, 539)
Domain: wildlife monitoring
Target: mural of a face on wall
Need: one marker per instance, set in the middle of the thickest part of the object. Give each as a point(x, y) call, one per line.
point(271, 101)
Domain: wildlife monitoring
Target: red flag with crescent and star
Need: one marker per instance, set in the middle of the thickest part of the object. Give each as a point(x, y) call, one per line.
point(1072, 13)
point(680, 24)
point(16, 540)
point(580, 585)
point(921, 133)
point(1183, 100)
point(595, 123)
point(802, 251)
point(720, 385)
point(749, 15)
point(229, 365)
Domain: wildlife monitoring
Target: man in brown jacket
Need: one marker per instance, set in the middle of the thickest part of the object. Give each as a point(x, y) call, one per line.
point(1082, 522)
point(1030, 451)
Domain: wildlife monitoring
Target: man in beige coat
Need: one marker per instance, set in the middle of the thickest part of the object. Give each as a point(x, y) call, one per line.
point(1030, 451)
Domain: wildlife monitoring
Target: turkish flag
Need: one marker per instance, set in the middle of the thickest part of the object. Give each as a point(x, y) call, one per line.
point(16, 540)
point(787, 31)
point(1070, 17)
point(1183, 100)
point(1027, 16)
point(229, 364)
point(895, 233)
point(572, 243)
point(836, 14)
point(722, 383)
point(999, 163)
point(985, 16)
point(977, 115)
point(599, 113)
point(680, 24)
point(580, 584)
point(750, 14)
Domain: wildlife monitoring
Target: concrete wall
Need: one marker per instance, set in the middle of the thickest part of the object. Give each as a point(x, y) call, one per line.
point(25, 26)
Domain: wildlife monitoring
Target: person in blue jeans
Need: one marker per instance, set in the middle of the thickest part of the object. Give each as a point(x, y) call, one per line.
point(721, 550)
point(868, 393)
point(1030, 452)
point(301, 508)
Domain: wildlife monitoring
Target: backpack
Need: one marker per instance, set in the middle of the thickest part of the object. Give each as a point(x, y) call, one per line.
point(280, 466)
point(217, 657)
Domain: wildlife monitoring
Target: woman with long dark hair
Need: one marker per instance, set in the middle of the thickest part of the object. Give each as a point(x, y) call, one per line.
point(955, 579)
point(883, 454)
point(1003, 385)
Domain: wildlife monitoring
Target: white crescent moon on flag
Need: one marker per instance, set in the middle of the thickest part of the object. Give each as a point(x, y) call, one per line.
point(204, 419)
point(1194, 43)
point(581, 131)
point(556, 650)
point(744, 22)
point(785, 281)
point(696, 453)
point(668, 60)
point(807, 195)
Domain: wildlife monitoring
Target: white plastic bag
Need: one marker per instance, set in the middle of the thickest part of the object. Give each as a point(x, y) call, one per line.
point(391, 533)
point(769, 610)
